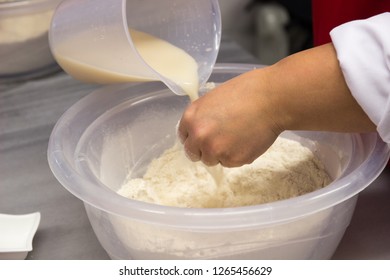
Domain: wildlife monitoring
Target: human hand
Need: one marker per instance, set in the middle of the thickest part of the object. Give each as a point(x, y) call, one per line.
point(232, 124)
point(236, 122)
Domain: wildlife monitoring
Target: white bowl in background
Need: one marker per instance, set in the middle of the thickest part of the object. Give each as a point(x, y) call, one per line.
point(24, 44)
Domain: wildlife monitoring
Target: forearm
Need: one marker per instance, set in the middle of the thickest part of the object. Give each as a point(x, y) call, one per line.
point(308, 92)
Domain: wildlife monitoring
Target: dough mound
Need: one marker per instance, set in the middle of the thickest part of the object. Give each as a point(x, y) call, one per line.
point(286, 170)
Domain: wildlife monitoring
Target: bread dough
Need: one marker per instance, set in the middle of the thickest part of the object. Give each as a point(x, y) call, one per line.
point(286, 170)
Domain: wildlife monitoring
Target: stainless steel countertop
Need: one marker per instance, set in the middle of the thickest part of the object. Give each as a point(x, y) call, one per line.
point(28, 112)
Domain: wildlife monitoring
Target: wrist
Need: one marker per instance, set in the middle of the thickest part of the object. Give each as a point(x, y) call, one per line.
point(269, 102)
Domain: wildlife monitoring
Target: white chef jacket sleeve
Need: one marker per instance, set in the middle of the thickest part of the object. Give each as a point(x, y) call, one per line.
point(363, 51)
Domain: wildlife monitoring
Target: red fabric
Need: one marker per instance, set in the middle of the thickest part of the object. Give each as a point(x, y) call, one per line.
point(328, 14)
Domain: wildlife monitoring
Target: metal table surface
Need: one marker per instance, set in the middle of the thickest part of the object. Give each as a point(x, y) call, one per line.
point(28, 112)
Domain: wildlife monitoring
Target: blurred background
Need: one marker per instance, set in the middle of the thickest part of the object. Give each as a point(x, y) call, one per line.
point(268, 29)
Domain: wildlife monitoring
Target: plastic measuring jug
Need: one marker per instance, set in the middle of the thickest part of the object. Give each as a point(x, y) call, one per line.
point(95, 33)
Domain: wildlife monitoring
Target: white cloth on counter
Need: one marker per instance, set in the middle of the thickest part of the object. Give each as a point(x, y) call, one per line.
point(363, 50)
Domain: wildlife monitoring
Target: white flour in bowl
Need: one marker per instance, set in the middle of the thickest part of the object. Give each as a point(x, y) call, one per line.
point(24, 27)
point(286, 170)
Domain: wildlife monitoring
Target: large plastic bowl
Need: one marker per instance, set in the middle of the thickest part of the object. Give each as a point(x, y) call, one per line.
point(119, 129)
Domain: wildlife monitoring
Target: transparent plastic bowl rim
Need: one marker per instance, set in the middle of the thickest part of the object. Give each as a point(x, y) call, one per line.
point(215, 218)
